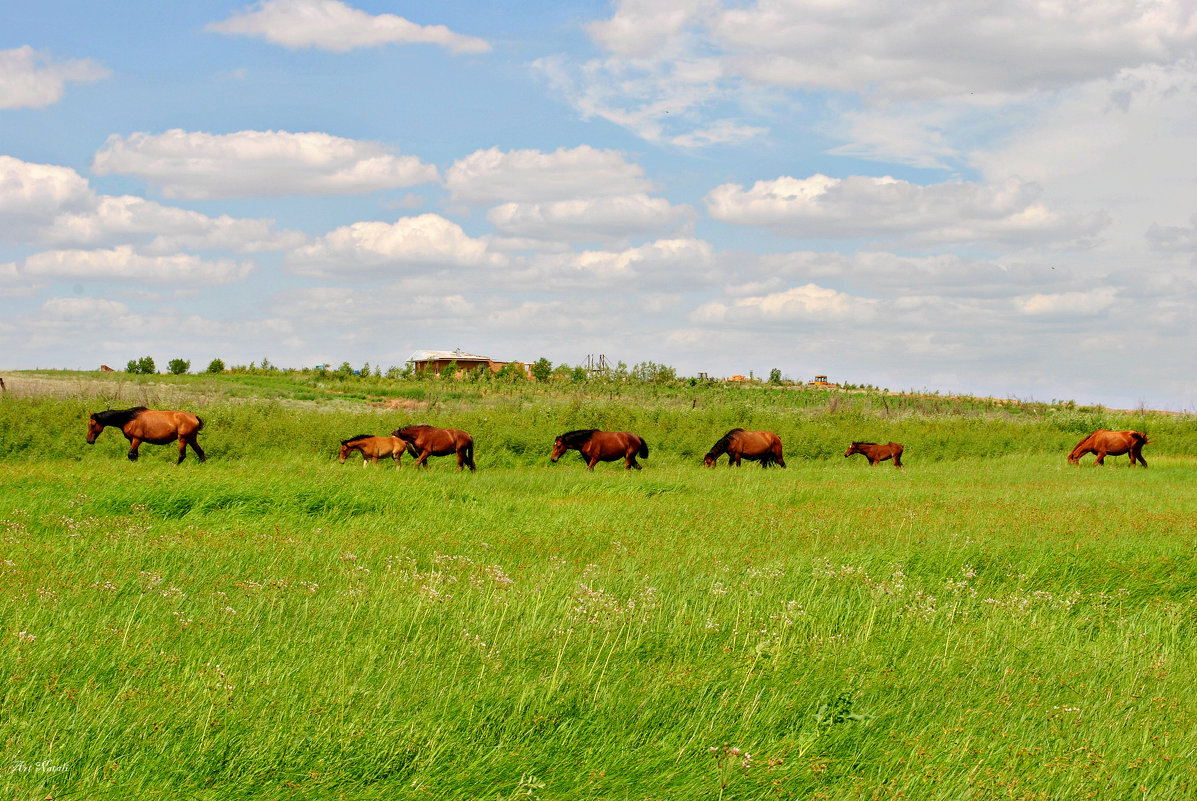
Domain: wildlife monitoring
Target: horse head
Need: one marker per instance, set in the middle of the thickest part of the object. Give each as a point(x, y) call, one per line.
point(559, 449)
point(94, 427)
point(853, 448)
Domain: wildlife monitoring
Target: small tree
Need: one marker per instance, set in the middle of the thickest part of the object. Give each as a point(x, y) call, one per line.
point(216, 366)
point(775, 376)
point(179, 366)
point(143, 366)
point(131, 367)
point(345, 370)
point(365, 371)
point(512, 371)
point(542, 369)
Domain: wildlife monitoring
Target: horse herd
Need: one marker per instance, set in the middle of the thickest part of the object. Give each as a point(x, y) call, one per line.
point(161, 427)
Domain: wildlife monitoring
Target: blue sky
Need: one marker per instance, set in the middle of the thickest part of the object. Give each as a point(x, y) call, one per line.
point(991, 198)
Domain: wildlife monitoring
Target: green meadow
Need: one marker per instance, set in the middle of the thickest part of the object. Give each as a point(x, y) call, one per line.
point(986, 623)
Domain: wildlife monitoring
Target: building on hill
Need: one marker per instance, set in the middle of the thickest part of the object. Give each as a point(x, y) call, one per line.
point(437, 360)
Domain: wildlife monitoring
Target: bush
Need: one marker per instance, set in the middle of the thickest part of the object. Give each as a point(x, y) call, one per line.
point(179, 366)
point(216, 366)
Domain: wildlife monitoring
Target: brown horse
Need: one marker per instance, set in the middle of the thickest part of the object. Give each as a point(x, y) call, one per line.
point(876, 454)
point(1114, 443)
point(428, 441)
point(156, 427)
point(374, 448)
point(738, 444)
point(601, 446)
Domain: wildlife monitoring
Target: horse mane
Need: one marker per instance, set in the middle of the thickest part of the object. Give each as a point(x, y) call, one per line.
point(855, 444)
point(572, 438)
point(117, 417)
point(401, 432)
point(720, 447)
point(356, 438)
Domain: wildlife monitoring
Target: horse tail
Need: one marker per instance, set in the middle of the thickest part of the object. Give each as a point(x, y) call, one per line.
point(469, 453)
point(199, 423)
point(643, 452)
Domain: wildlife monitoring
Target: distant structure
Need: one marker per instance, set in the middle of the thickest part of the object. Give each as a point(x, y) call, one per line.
point(821, 381)
point(596, 364)
point(437, 360)
point(737, 378)
point(106, 369)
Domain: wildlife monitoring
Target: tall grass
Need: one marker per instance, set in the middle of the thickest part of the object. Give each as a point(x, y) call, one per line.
point(272, 624)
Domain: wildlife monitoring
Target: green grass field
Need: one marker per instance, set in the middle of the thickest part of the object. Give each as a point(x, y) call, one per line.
point(987, 623)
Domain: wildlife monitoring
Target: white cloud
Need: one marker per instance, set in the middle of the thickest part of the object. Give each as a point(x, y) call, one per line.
point(797, 304)
point(932, 49)
point(921, 49)
point(123, 263)
point(370, 248)
point(332, 25)
point(669, 65)
point(186, 164)
point(84, 310)
point(47, 204)
point(660, 101)
point(29, 79)
point(673, 261)
point(172, 229)
point(1124, 144)
point(571, 194)
point(1070, 303)
point(33, 193)
point(866, 207)
point(1174, 238)
point(628, 215)
point(494, 176)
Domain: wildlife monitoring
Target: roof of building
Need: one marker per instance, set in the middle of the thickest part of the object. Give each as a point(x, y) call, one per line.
point(437, 355)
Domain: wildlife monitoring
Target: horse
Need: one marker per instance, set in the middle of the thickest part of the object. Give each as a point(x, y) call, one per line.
point(877, 454)
point(424, 441)
point(157, 427)
point(601, 446)
point(764, 446)
point(374, 448)
point(1114, 443)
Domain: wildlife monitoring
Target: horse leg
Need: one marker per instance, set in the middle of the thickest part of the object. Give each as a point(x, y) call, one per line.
point(591, 461)
point(1139, 454)
point(460, 459)
point(133, 443)
point(182, 449)
point(423, 460)
point(1101, 459)
point(199, 452)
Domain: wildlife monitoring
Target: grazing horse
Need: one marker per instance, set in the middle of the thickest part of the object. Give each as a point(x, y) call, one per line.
point(1114, 443)
point(752, 445)
point(374, 448)
point(601, 446)
point(424, 441)
point(156, 427)
point(877, 453)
